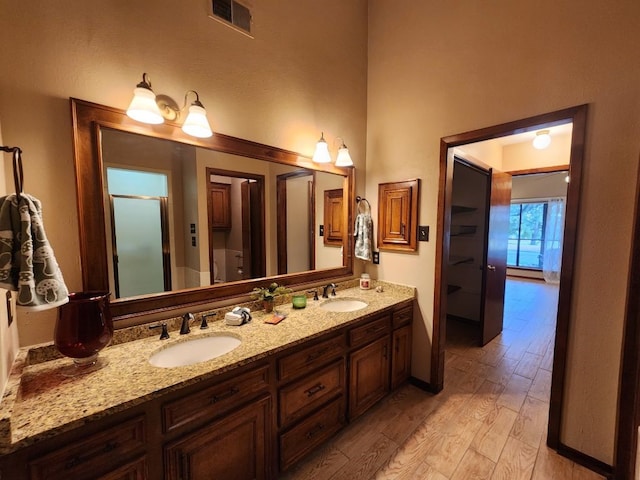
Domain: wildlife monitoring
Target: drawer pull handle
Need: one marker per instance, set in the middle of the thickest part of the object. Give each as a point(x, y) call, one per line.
point(314, 431)
point(315, 389)
point(375, 329)
point(317, 354)
point(223, 396)
point(80, 459)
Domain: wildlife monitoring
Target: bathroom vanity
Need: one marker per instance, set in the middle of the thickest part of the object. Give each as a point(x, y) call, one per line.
point(250, 413)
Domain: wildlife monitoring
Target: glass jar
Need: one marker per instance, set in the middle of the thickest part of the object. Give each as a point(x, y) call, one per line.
point(365, 281)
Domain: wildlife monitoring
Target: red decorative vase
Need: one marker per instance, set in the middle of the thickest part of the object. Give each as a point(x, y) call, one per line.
point(83, 328)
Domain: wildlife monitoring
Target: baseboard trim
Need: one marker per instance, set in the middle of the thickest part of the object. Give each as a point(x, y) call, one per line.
point(586, 461)
point(422, 385)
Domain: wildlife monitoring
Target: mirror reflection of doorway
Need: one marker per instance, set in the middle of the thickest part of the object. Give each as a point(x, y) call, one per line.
point(139, 219)
point(296, 220)
point(235, 211)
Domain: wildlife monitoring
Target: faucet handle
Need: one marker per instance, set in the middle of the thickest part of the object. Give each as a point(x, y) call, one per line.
point(164, 334)
point(187, 318)
point(315, 293)
point(204, 323)
point(333, 289)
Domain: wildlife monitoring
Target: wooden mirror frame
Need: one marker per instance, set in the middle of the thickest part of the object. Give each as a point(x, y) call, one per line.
point(87, 120)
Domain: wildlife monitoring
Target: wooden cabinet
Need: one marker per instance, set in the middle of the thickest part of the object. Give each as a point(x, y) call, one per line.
point(105, 455)
point(236, 446)
point(219, 206)
point(311, 396)
point(401, 356)
point(333, 217)
point(368, 376)
point(398, 215)
point(401, 345)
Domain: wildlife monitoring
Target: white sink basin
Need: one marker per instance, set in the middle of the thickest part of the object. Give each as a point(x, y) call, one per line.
point(342, 305)
point(194, 351)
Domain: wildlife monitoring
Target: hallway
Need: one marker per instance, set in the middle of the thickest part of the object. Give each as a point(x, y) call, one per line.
point(489, 422)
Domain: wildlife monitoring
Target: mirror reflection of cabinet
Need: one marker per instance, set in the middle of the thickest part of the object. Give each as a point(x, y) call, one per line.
point(398, 215)
point(333, 222)
point(219, 206)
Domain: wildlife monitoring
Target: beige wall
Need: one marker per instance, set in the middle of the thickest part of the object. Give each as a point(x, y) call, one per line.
point(8, 334)
point(304, 72)
point(441, 68)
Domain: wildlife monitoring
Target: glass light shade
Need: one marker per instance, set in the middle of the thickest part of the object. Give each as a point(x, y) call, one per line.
point(196, 123)
point(143, 107)
point(321, 155)
point(343, 159)
point(542, 140)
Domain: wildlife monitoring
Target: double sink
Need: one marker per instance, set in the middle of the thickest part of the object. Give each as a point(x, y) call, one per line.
point(196, 350)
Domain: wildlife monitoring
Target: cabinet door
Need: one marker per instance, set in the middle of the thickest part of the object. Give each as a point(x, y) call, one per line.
point(219, 206)
point(398, 215)
point(401, 356)
point(369, 376)
point(333, 215)
point(233, 448)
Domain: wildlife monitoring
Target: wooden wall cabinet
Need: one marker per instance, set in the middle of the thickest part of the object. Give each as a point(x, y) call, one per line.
point(398, 215)
point(219, 206)
point(333, 215)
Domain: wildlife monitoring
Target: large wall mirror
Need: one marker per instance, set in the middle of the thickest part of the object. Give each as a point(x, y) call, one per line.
point(168, 220)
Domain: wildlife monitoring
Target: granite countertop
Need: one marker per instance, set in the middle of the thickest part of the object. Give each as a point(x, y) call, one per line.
point(40, 402)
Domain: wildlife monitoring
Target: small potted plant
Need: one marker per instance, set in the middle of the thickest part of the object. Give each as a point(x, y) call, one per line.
point(268, 294)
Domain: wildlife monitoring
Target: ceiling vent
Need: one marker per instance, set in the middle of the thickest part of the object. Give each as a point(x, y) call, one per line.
point(233, 14)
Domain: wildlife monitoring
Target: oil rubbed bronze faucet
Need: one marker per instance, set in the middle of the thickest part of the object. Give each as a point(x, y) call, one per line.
point(325, 290)
point(187, 318)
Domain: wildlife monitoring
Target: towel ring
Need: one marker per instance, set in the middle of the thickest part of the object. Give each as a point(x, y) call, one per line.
point(361, 201)
point(18, 173)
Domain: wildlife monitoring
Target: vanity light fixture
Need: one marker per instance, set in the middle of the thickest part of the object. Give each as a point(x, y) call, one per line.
point(343, 159)
point(322, 155)
point(146, 108)
point(542, 140)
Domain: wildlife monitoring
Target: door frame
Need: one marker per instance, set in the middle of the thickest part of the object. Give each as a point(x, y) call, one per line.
point(628, 418)
point(578, 116)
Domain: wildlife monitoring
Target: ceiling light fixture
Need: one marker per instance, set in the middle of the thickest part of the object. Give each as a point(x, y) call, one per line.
point(146, 108)
point(542, 140)
point(322, 155)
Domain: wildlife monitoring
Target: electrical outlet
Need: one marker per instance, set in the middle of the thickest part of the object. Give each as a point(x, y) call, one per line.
point(423, 233)
point(193, 241)
point(376, 258)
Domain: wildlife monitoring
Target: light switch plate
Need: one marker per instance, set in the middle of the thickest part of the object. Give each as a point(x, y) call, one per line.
point(423, 233)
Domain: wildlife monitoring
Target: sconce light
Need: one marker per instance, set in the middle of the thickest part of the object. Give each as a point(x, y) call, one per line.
point(145, 108)
point(542, 140)
point(322, 155)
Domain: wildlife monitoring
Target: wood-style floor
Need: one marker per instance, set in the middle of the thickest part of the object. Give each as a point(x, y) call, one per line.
point(489, 422)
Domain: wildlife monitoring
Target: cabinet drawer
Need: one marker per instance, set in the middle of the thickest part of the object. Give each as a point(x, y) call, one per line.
point(311, 432)
point(306, 394)
point(370, 331)
point(316, 355)
point(93, 456)
point(403, 316)
point(216, 399)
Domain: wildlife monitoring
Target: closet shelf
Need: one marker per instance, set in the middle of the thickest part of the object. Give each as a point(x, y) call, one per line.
point(459, 259)
point(458, 230)
point(455, 209)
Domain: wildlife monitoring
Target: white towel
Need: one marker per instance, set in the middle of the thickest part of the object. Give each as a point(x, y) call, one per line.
point(363, 232)
point(27, 263)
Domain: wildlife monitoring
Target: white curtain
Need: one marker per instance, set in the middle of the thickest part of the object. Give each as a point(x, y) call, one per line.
point(553, 236)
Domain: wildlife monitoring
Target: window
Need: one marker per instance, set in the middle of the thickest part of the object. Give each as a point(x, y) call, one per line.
point(527, 222)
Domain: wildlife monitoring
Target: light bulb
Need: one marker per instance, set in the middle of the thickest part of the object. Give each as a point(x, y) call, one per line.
point(196, 123)
point(542, 140)
point(321, 155)
point(143, 106)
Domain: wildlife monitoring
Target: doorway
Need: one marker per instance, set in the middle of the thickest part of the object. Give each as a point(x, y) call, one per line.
point(576, 116)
